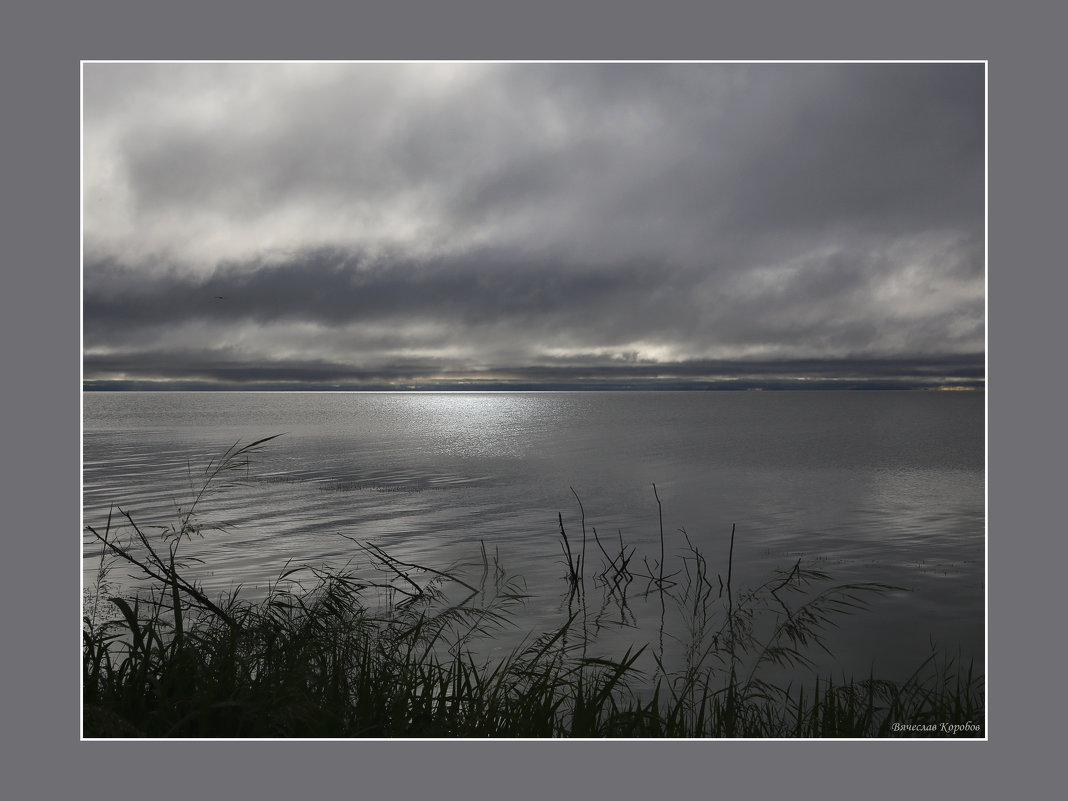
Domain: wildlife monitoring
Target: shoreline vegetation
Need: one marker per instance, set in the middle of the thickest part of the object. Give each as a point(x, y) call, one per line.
point(392, 649)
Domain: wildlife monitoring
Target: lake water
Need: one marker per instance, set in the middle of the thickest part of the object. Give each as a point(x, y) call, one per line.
point(866, 486)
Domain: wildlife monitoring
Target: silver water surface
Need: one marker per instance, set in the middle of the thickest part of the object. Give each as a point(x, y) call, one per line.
point(867, 486)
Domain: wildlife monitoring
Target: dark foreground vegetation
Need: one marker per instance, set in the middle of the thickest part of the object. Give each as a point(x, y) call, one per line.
point(396, 649)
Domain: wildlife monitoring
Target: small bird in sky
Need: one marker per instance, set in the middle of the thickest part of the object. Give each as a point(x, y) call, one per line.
point(220, 297)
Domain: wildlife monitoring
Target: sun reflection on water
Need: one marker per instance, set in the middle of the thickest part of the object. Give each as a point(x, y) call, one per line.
point(475, 424)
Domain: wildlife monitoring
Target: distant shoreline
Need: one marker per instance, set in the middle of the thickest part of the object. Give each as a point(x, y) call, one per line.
point(798, 386)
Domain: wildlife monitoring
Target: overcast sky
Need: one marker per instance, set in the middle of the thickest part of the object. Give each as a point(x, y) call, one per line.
point(378, 225)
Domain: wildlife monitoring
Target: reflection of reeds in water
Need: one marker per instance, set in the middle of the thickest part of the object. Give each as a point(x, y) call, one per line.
point(382, 647)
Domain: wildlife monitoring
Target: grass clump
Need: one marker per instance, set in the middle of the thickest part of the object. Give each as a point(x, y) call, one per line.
point(384, 648)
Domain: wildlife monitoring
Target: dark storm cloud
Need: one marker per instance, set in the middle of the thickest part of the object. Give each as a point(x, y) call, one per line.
point(382, 221)
point(552, 301)
point(334, 288)
point(889, 149)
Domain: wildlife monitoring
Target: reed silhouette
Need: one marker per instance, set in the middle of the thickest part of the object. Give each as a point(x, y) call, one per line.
point(382, 647)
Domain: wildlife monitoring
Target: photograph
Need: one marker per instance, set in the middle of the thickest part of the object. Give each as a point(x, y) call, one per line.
point(529, 400)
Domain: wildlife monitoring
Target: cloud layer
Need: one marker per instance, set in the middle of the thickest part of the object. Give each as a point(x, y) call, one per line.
point(532, 224)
